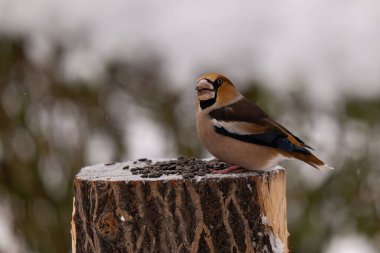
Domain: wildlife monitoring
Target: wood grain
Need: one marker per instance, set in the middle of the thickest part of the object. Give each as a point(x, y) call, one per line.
point(244, 213)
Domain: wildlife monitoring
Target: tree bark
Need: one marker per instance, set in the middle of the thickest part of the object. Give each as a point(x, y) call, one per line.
point(115, 211)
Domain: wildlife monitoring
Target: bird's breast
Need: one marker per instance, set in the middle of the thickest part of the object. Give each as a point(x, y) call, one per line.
point(232, 151)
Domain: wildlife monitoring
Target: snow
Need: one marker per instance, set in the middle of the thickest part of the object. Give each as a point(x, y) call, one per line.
point(264, 220)
point(9, 240)
point(276, 244)
point(115, 172)
point(351, 243)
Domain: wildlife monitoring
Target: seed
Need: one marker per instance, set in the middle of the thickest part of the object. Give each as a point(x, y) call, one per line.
point(187, 167)
point(155, 175)
point(188, 175)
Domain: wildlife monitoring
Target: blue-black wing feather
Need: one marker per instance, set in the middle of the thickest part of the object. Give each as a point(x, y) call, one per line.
point(275, 136)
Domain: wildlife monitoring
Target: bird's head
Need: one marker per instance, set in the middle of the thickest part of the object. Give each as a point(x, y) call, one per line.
point(214, 90)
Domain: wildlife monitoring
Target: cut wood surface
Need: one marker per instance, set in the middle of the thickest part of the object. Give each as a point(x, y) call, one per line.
point(116, 210)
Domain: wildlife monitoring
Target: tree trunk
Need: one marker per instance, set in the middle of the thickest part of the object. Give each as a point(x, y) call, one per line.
point(117, 211)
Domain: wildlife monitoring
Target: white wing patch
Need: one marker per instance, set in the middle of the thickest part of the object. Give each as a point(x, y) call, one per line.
point(324, 167)
point(232, 127)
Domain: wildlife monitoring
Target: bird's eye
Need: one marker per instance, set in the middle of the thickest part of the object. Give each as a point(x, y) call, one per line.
point(219, 81)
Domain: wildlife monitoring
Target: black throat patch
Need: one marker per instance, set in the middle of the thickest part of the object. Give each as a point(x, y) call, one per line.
point(206, 103)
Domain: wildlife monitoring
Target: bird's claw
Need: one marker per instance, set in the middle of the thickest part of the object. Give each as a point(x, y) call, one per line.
point(231, 169)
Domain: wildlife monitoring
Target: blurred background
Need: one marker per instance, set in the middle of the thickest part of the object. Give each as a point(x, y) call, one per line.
point(84, 82)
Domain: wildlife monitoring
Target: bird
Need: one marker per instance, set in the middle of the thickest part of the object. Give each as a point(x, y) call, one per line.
point(238, 132)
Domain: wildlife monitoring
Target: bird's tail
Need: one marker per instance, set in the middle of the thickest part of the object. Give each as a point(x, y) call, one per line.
point(313, 161)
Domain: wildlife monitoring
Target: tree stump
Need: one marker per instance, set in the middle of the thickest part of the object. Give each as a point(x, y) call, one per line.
point(174, 206)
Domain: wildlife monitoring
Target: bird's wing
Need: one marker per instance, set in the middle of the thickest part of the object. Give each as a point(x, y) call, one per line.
point(245, 121)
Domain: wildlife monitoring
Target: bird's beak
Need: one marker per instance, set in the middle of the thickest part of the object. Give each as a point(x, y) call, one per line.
point(205, 90)
point(203, 86)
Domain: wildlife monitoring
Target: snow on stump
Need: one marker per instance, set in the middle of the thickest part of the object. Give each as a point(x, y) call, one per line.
point(178, 206)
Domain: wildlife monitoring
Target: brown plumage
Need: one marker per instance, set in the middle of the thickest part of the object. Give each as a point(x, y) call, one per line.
point(237, 131)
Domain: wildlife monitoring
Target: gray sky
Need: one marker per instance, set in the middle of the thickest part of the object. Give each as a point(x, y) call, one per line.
point(331, 46)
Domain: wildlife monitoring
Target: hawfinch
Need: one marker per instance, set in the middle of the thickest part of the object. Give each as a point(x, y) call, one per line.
point(236, 131)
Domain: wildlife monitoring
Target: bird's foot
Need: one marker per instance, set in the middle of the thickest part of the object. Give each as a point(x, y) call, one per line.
point(235, 168)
